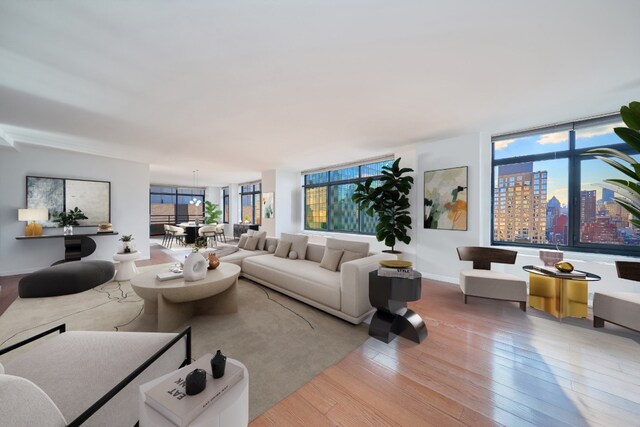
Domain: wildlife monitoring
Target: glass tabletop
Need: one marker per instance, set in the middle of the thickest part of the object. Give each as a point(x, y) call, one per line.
point(589, 277)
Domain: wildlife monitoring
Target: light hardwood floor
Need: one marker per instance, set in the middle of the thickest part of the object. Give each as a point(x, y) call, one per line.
point(484, 363)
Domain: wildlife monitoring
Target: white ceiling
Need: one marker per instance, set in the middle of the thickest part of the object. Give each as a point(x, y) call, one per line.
point(233, 88)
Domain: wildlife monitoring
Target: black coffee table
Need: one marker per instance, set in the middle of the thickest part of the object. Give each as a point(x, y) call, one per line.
point(390, 295)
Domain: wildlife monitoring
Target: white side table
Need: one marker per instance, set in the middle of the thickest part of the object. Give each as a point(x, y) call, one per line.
point(231, 410)
point(127, 268)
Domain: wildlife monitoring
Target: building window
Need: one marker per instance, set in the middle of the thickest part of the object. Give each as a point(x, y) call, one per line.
point(327, 197)
point(225, 205)
point(250, 202)
point(548, 193)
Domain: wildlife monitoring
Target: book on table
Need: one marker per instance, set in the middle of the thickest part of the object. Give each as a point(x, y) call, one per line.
point(395, 272)
point(554, 271)
point(171, 400)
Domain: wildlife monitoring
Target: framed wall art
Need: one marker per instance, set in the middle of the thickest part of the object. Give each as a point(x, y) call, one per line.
point(445, 199)
point(62, 194)
point(268, 210)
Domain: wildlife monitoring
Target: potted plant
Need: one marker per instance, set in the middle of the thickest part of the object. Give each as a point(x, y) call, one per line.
point(388, 199)
point(127, 245)
point(212, 213)
point(627, 192)
point(68, 220)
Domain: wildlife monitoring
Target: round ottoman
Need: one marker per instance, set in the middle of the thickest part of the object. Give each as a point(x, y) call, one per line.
point(68, 278)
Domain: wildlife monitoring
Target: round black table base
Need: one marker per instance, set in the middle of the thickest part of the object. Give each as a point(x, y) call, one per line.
point(385, 326)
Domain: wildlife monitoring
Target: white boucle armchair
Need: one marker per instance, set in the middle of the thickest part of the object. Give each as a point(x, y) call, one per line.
point(84, 377)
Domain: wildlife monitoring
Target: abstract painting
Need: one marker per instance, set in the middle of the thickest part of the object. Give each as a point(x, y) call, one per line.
point(60, 194)
point(268, 205)
point(445, 199)
point(45, 193)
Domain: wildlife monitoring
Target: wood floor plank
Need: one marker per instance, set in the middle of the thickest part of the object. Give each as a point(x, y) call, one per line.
point(483, 363)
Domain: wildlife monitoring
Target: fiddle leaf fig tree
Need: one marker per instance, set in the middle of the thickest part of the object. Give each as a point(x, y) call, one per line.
point(387, 198)
point(627, 192)
point(212, 213)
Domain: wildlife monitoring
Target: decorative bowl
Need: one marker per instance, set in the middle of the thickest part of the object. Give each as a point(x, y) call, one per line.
point(564, 266)
point(395, 263)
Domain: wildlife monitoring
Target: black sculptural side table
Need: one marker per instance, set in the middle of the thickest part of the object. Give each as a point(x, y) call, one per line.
point(390, 295)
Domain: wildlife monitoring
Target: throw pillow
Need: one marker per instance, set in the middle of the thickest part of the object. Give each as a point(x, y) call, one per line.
point(242, 241)
point(252, 243)
point(272, 249)
point(293, 255)
point(298, 243)
point(250, 232)
point(349, 256)
point(262, 236)
point(283, 249)
point(331, 258)
point(348, 245)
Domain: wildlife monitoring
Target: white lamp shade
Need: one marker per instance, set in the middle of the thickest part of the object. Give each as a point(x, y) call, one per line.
point(33, 214)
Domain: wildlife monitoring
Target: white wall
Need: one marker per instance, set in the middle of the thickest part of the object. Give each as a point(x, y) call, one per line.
point(287, 188)
point(436, 249)
point(129, 204)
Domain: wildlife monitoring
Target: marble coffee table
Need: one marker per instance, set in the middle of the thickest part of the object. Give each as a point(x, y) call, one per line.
point(175, 301)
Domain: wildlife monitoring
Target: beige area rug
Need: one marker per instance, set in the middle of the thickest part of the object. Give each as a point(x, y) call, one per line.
point(283, 343)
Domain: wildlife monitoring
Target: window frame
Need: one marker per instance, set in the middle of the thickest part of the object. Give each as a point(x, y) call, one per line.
point(195, 192)
point(255, 201)
point(329, 184)
point(225, 205)
point(574, 158)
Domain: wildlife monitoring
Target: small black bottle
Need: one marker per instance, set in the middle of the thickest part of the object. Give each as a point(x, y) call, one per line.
point(196, 381)
point(218, 363)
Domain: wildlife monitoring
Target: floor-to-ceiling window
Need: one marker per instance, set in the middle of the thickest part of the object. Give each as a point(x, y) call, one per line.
point(250, 202)
point(547, 192)
point(225, 205)
point(173, 205)
point(327, 198)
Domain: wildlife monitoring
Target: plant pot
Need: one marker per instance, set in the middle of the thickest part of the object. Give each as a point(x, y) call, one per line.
point(67, 230)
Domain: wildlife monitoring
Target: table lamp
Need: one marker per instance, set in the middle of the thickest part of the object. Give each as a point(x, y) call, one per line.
point(33, 215)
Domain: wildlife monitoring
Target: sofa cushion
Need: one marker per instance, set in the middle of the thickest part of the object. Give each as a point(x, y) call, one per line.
point(298, 243)
point(22, 403)
point(243, 241)
point(315, 252)
point(262, 236)
point(282, 250)
point(293, 255)
point(349, 256)
point(331, 259)
point(272, 249)
point(302, 277)
point(252, 243)
point(347, 245)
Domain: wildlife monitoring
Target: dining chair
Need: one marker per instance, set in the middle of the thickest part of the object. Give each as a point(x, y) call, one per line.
point(208, 231)
point(220, 233)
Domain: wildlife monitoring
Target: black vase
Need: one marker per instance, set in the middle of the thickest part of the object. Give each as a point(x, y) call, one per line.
point(196, 381)
point(218, 363)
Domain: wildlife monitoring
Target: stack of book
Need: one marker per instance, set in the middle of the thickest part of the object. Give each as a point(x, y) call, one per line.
point(555, 272)
point(171, 400)
point(404, 272)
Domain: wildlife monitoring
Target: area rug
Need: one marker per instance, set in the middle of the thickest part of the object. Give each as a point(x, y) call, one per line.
point(283, 343)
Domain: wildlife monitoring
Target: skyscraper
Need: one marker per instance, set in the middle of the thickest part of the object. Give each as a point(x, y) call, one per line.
point(520, 197)
point(587, 206)
point(607, 195)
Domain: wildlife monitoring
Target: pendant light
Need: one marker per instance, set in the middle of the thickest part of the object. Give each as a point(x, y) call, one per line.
point(195, 201)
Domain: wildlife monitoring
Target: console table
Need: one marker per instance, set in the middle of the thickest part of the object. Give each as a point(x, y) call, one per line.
point(390, 295)
point(76, 246)
point(239, 229)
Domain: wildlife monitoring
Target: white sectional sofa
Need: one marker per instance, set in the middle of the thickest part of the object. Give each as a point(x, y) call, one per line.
point(343, 293)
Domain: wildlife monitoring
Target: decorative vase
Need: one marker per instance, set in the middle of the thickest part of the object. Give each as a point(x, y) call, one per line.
point(195, 267)
point(214, 262)
point(67, 230)
point(550, 257)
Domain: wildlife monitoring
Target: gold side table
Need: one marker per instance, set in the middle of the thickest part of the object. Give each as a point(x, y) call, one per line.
point(557, 294)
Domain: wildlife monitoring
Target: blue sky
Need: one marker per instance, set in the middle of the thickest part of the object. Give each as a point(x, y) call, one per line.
point(593, 171)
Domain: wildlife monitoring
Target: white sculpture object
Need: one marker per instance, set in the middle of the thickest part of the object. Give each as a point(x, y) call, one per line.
point(195, 267)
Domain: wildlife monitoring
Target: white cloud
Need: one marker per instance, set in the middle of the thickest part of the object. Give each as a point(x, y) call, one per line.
point(554, 138)
point(600, 130)
point(504, 143)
